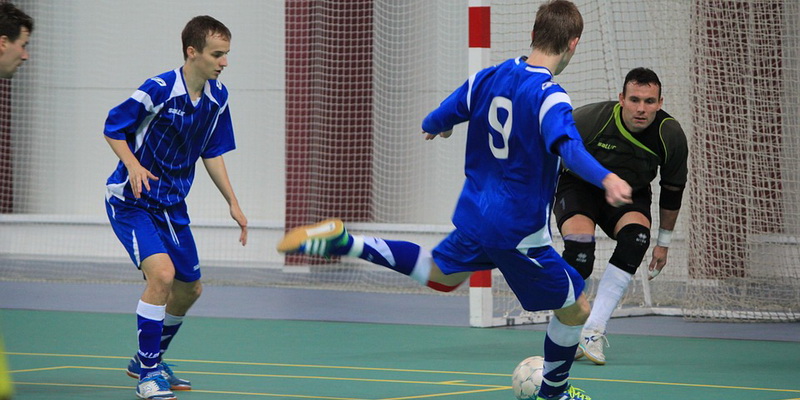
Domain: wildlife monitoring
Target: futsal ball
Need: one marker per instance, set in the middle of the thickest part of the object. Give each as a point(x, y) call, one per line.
point(527, 378)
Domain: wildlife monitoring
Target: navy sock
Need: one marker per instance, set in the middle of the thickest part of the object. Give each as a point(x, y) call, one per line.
point(560, 344)
point(150, 324)
point(171, 325)
point(149, 343)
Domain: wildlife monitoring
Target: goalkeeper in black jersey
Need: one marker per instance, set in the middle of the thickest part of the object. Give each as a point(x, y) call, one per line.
point(637, 140)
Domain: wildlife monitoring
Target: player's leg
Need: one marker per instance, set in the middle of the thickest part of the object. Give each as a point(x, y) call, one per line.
point(632, 233)
point(579, 246)
point(159, 273)
point(579, 243)
point(576, 206)
point(6, 387)
point(186, 289)
point(139, 234)
point(331, 238)
point(151, 311)
point(542, 280)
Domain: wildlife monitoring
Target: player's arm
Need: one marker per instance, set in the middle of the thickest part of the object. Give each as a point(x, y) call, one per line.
point(669, 207)
point(578, 160)
point(452, 111)
point(123, 119)
point(138, 176)
point(219, 175)
point(673, 180)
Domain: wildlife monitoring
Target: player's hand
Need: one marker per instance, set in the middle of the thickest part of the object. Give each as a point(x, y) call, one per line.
point(139, 178)
point(240, 219)
point(618, 192)
point(658, 262)
point(444, 135)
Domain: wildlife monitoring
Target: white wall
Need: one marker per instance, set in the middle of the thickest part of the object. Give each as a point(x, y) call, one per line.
point(88, 56)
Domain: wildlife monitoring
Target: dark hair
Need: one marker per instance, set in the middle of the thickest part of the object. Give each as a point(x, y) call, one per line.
point(12, 20)
point(642, 76)
point(198, 28)
point(557, 22)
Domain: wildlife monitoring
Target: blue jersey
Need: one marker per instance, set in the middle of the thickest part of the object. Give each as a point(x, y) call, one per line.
point(168, 133)
point(517, 115)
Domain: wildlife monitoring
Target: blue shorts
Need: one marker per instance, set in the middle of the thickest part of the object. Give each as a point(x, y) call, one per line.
point(144, 233)
point(540, 278)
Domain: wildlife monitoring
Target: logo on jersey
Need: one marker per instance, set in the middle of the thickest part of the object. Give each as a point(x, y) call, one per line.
point(607, 146)
point(177, 112)
point(547, 85)
point(159, 81)
point(219, 85)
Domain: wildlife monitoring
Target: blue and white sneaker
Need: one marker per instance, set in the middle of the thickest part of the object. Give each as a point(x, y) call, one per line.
point(154, 387)
point(319, 239)
point(175, 383)
point(572, 393)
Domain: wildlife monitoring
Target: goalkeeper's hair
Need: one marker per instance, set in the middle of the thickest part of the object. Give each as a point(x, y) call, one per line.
point(198, 28)
point(12, 20)
point(642, 76)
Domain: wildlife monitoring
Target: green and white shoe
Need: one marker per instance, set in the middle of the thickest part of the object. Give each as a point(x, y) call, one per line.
point(319, 239)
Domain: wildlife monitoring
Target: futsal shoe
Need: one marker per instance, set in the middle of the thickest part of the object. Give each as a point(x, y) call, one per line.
point(578, 353)
point(154, 387)
point(572, 393)
point(319, 239)
point(175, 383)
point(592, 343)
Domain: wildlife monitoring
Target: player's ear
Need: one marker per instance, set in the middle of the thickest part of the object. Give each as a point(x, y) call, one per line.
point(191, 52)
point(574, 43)
point(3, 43)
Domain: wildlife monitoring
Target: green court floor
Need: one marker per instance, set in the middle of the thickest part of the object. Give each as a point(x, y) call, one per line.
point(74, 355)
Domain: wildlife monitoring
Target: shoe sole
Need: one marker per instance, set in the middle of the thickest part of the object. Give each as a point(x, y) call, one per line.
point(323, 230)
point(579, 353)
point(183, 387)
point(160, 398)
point(594, 359)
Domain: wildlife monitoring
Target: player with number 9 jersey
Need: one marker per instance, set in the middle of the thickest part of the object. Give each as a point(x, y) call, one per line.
point(518, 119)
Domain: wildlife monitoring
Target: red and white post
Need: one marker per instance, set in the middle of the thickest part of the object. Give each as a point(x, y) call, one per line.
point(481, 307)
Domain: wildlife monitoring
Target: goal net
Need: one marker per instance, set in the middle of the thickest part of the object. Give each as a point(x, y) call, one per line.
point(327, 97)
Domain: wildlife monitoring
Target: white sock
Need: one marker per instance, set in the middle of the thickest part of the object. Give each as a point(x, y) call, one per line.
point(610, 290)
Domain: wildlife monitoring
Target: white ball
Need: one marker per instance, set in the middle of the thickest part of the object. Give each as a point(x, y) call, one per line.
point(527, 378)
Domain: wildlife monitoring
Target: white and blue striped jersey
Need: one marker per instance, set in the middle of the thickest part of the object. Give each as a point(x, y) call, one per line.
point(517, 118)
point(168, 133)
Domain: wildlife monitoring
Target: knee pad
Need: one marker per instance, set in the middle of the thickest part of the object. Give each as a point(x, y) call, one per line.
point(579, 254)
point(633, 240)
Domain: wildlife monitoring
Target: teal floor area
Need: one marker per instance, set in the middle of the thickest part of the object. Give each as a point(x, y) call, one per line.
point(82, 355)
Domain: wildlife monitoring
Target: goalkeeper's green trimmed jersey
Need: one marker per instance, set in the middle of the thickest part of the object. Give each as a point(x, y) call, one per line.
point(635, 157)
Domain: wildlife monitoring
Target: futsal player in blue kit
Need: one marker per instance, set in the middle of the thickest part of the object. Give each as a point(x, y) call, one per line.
point(520, 128)
point(159, 133)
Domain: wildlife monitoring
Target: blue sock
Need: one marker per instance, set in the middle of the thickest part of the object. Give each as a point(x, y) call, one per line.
point(171, 325)
point(397, 255)
point(560, 344)
point(150, 322)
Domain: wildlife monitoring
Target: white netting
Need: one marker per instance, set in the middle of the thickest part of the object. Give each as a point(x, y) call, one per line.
point(618, 36)
point(327, 98)
point(730, 75)
point(744, 242)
